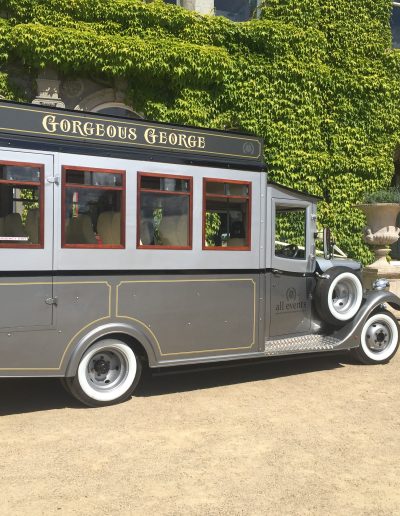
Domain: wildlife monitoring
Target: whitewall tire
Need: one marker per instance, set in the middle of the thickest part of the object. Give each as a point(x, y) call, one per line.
point(379, 339)
point(108, 373)
point(338, 298)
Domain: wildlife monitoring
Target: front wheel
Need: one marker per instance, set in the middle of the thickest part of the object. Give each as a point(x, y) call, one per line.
point(108, 373)
point(379, 339)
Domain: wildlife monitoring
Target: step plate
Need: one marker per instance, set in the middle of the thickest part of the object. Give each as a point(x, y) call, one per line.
point(303, 344)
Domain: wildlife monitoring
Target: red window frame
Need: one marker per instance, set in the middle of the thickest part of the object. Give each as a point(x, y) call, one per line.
point(149, 190)
point(223, 196)
point(39, 185)
point(65, 185)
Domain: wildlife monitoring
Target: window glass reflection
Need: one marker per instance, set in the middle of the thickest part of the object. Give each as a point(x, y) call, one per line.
point(235, 10)
point(20, 206)
point(20, 173)
point(164, 212)
point(88, 178)
point(93, 204)
point(395, 25)
point(290, 232)
point(226, 218)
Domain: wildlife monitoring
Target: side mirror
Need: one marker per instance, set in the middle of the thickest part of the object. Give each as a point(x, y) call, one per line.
point(327, 238)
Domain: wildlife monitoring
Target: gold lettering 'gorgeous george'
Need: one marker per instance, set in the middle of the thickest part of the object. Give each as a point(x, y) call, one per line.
point(52, 125)
point(155, 136)
point(152, 136)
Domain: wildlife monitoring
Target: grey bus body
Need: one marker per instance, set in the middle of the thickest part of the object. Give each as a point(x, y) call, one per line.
point(176, 306)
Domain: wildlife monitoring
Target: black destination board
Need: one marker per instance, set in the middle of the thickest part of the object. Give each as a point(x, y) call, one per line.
point(50, 123)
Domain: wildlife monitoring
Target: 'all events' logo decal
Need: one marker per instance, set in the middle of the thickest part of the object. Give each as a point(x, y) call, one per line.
point(291, 295)
point(291, 303)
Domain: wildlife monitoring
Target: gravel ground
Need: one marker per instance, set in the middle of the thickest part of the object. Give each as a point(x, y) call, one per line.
point(317, 436)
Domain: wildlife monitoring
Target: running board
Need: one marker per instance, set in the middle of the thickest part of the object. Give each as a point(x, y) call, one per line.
point(303, 344)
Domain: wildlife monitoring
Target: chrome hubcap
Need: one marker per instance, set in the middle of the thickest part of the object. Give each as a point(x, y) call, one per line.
point(378, 336)
point(344, 295)
point(106, 370)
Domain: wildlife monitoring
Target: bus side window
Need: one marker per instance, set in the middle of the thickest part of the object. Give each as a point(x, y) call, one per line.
point(164, 212)
point(290, 232)
point(226, 215)
point(93, 208)
point(21, 205)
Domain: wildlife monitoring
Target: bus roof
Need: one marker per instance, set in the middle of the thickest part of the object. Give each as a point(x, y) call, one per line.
point(49, 128)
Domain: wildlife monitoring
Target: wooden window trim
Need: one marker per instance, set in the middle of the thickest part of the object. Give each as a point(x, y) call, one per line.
point(164, 192)
point(149, 190)
point(88, 187)
point(65, 185)
point(223, 196)
point(40, 186)
point(16, 182)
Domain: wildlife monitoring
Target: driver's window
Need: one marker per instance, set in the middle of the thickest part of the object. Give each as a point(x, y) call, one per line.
point(290, 232)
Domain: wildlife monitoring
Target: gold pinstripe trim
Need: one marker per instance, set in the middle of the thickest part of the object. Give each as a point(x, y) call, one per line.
point(189, 281)
point(77, 333)
point(118, 315)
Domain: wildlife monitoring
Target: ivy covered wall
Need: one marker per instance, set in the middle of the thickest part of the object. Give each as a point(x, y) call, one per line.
point(317, 79)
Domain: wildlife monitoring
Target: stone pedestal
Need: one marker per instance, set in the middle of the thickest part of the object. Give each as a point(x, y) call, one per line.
point(381, 231)
point(48, 89)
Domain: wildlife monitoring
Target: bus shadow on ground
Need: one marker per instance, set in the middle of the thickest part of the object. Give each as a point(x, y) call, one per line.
point(183, 379)
point(24, 395)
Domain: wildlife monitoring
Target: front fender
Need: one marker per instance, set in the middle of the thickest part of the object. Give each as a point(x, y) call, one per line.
point(349, 335)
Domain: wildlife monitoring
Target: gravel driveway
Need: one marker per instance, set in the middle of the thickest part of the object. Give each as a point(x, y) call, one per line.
point(317, 436)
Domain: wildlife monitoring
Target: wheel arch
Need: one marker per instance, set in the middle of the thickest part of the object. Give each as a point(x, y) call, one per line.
point(128, 333)
point(374, 302)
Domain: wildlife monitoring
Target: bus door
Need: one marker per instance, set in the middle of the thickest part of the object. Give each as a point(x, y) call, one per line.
point(292, 261)
point(26, 241)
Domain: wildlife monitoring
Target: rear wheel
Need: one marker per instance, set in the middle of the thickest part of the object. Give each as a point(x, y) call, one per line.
point(108, 373)
point(379, 339)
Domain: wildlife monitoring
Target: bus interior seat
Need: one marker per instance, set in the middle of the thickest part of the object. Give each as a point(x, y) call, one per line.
point(80, 230)
point(13, 226)
point(104, 229)
point(146, 232)
point(237, 235)
point(237, 242)
point(116, 228)
point(109, 227)
point(32, 225)
point(173, 230)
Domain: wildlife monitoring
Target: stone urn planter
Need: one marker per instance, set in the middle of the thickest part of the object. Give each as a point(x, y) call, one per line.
point(381, 230)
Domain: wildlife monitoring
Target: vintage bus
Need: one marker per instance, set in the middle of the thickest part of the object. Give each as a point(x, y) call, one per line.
point(127, 243)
